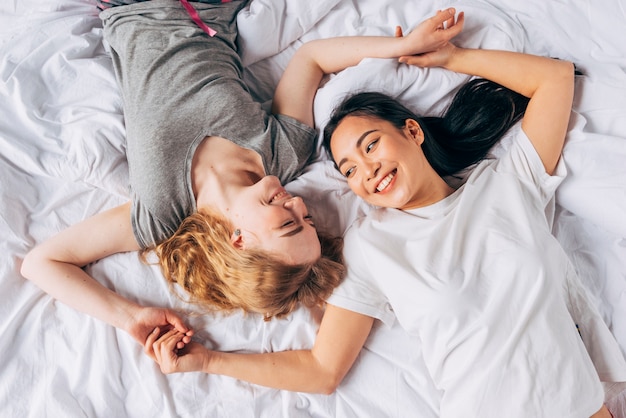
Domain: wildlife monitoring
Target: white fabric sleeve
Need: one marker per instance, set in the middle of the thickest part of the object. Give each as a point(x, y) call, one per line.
point(359, 291)
point(521, 158)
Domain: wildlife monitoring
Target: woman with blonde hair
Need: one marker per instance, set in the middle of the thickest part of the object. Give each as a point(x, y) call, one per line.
point(206, 165)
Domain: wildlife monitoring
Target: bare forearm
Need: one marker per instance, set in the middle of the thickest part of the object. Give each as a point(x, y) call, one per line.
point(519, 72)
point(315, 59)
point(70, 285)
point(296, 89)
point(340, 338)
point(296, 371)
point(336, 54)
point(55, 265)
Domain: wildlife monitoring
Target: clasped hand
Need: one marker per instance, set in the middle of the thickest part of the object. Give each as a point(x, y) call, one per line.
point(175, 352)
point(429, 43)
point(143, 322)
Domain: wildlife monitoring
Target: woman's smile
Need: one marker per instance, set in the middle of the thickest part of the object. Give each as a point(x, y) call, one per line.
point(281, 194)
point(386, 183)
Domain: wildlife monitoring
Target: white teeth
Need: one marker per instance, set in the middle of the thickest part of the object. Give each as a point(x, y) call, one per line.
point(279, 196)
point(385, 182)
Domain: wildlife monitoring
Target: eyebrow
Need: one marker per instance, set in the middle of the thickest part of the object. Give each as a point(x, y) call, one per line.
point(293, 232)
point(358, 145)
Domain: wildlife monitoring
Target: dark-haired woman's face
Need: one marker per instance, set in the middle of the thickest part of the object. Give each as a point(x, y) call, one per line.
point(384, 165)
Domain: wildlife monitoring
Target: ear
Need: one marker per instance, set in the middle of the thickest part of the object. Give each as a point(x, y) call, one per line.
point(415, 131)
point(237, 241)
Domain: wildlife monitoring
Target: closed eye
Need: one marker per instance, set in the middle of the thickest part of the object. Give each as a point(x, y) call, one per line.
point(287, 224)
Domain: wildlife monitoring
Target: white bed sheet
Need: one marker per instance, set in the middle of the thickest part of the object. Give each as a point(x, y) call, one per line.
point(62, 159)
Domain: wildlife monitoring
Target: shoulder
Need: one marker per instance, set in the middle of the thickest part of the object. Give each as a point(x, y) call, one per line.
point(516, 155)
point(360, 291)
point(153, 224)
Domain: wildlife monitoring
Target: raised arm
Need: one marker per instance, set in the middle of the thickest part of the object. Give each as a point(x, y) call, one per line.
point(549, 83)
point(296, 90)
point(56, 267)
point(340, 338)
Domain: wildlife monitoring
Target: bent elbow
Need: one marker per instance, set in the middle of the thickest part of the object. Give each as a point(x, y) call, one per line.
point(27, 267)
point(31, 264)
point(332, 380)
point(329, 389)
point(567, 72)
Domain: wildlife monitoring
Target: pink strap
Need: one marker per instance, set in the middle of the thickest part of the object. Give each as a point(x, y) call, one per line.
point(193, 13)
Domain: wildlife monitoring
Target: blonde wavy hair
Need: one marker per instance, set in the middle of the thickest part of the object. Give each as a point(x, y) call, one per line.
point(201, 259)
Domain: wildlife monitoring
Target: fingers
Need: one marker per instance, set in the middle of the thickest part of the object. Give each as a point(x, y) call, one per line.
point(449, 21)
point(165, 350)
point(445, 20)
point(457, 26)
point(443, 16)
point(148, 347)
point(416, 60)
point(171, 339)
point(180, 326)
point(168, 341)
point(176, 321)
point(398, 33)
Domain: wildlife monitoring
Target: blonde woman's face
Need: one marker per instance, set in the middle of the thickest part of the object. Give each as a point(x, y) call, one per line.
point(270, 218)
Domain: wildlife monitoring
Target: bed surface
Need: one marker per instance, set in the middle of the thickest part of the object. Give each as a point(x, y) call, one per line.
point(62, 159)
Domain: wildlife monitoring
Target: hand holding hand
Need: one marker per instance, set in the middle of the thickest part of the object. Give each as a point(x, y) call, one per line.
point(438, 58)
point(433, 33)
point(192, 357)
point(145, 320)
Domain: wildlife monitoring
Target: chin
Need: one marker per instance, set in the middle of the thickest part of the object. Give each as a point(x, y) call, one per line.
point(383, 204)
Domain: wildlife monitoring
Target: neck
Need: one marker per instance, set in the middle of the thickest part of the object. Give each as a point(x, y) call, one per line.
point(220, 168)
point(432, 193)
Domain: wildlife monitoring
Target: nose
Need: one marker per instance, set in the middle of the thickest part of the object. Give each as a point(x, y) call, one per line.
point(371, 169)
point(296, 205)
point(270, 180)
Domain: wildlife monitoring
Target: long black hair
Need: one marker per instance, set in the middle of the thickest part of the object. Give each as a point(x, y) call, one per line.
point(479, 115)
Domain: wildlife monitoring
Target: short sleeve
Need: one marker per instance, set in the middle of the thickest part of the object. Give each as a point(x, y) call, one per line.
point(521, 159)
point(359, 291)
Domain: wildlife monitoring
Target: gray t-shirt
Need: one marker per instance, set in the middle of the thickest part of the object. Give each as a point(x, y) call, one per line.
point(179, 85)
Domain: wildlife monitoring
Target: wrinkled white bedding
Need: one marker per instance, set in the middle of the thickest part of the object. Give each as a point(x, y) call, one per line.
point(62, 159)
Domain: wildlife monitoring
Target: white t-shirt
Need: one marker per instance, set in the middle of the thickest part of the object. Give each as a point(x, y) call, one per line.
point(490, 292)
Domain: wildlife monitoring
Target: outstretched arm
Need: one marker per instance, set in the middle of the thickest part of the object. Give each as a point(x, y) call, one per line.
point(56, 267)
point(549, 83)
point(340, 338)
point(296, 90)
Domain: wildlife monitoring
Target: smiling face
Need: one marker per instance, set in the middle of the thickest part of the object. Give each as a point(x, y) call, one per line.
point(271, 219)
point(385, 165)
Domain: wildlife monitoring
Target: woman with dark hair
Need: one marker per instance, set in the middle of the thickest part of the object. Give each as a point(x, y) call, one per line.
point(478, 117)
point(472, 270)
